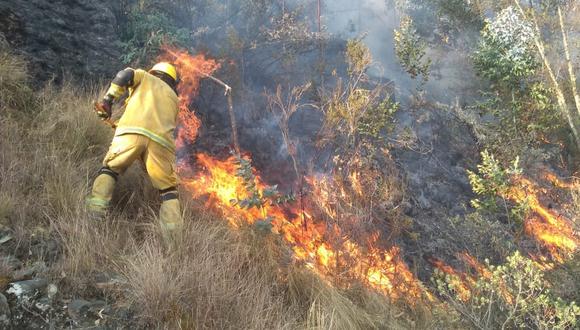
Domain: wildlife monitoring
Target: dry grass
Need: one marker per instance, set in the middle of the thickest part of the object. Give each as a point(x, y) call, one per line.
point(217, 277)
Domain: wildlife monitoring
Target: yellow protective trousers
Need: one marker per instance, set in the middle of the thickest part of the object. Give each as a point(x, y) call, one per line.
point(160, 166)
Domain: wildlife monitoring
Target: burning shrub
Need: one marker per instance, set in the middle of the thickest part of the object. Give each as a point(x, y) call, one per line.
point(512, 295)
point(492, 183)
point(520, 197)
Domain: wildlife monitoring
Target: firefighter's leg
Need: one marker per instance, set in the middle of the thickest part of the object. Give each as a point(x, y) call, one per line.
point(123, 151)
point(160, 164)
point(102, 192)
point(170, 215)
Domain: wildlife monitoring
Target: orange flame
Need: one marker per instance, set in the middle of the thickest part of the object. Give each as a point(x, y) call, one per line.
point(460, 282)
point(476, 265)
point(464, 283)
point(191, 70)
point(554, 231)
point(321, 246)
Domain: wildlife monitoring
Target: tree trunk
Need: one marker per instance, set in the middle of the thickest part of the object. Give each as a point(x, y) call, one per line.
point(561, 99)
point(569, 62)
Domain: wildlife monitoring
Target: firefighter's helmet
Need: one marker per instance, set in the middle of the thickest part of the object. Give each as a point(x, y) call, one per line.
point(166, 68)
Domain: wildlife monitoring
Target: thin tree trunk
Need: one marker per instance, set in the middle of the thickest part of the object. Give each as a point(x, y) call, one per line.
point(559, 94)
point(569, 62)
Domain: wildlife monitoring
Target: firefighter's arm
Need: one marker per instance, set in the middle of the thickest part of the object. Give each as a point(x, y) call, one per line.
point(125, 79)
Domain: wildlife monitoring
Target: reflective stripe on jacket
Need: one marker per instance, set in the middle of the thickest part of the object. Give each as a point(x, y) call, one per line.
point(152, 108)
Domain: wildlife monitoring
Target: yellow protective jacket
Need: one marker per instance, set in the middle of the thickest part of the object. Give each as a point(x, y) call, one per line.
point(151, 108)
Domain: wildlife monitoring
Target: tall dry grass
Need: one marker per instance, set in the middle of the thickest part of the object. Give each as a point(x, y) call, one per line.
point(215, 277)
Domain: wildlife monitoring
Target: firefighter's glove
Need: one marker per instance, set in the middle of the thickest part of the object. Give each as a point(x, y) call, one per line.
point(104, 108)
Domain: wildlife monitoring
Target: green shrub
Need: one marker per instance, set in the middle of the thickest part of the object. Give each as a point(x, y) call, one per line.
point(411, 50)
point(146, 30)
point(378, 118)
point(258, 197)
point(512, 295)
point(492, 184)
point(358, 56)
point(505, 54)
point(492, 180)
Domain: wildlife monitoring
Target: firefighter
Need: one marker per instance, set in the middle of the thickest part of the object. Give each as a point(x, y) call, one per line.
point(144, 132)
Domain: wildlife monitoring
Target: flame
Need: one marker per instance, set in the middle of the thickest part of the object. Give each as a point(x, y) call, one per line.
point(557, 182)
point(476, 265)
point(461, 282)
point(355, 183)
point(484, 272)
point(320, 245)
point(191, 69)
point(554, 231)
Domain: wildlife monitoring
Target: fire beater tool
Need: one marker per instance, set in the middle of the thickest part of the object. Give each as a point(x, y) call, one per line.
point(228, 94)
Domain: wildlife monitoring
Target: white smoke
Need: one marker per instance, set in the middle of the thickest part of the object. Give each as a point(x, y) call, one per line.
point(376, 20)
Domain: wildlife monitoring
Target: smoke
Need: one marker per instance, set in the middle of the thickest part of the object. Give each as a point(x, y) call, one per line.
point(375, 21)
point(251, 66)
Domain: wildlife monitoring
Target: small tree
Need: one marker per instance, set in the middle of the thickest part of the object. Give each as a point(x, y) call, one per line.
point(493, 183)
point(353, 115)
point(146, 30)
point(505, 54)
point(256, 196)
point(411, 50)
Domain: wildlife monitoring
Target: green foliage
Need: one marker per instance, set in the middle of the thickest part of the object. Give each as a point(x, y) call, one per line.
point(460, 14)
point(524, 118)
point(353, 114)
point(256, 196)
point(505, 54)
point(411, 50)
point(512, 295)
point(146, 30)
point(377, 119)
point(358, 56)
point(492, 182)
point(359, 115)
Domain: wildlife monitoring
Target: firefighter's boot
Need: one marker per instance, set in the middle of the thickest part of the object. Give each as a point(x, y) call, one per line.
point(170, 220)
point(102, 193)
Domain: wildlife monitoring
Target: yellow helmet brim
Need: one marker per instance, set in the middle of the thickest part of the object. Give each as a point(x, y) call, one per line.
point(166, 68)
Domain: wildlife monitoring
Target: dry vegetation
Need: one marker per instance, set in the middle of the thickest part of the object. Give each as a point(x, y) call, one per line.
point(216, 277)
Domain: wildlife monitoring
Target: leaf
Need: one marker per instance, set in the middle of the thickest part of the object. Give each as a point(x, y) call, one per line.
point(265, 224)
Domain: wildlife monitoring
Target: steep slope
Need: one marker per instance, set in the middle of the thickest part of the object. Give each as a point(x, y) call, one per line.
point(59, 38)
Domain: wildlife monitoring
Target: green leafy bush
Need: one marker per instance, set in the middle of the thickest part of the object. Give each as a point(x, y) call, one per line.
point(378, 118)
point(411, 50)
point(146, 31)
point(505, 54)
point(492, 184)
point(353, 113)
point(358, 56)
